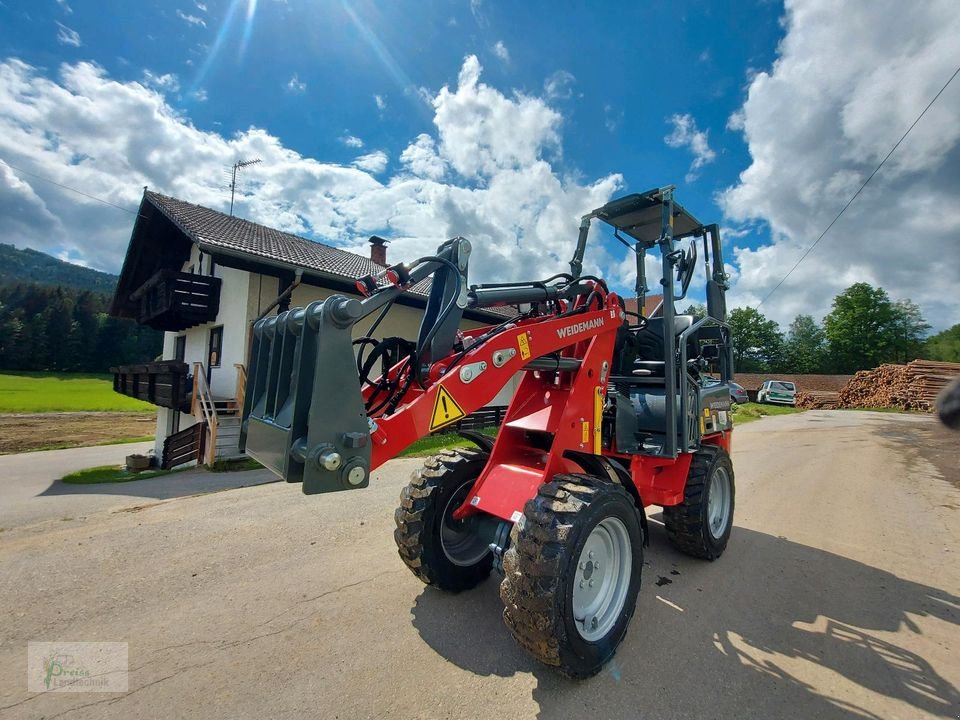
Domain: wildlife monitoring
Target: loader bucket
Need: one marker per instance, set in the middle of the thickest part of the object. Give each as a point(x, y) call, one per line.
point(303, 415)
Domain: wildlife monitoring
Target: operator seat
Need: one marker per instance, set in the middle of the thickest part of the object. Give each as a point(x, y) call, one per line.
point(649, 345)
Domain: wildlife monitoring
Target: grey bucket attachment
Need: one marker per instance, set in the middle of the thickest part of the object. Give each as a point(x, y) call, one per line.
point(304, 416)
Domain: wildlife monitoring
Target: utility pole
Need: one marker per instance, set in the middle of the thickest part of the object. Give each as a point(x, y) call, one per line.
point(233, 182)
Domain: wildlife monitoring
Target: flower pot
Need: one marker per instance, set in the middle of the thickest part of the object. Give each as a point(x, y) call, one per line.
point(136, 463)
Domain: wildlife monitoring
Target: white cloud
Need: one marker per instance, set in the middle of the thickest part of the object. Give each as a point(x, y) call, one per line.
point(65, 7)
point(381, 102)
point(612, 117)
point(559, 86)
point(482, 131)
point(200, 95)
point(352, 141)
point(200, 6)
point(374, 162)
point(736, 121)
point(192, 19)
point(421, 158)
point(482, 172)
point(476, 9)
point(167, 82)
point(686, 134)
point(817, 124)
point(501, 51)
point(296, 85)
point(66, 36)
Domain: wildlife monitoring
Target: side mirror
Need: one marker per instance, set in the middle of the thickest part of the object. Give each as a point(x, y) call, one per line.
point(685, 269)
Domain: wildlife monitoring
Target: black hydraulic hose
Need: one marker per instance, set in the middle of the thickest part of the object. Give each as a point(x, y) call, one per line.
point(444, 313)
point(486, 337)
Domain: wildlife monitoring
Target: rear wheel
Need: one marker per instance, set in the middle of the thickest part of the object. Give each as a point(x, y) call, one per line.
point(572, 573)
point(439, 550)
point(701, 524)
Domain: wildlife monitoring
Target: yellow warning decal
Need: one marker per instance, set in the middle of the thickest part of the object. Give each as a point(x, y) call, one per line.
point(446, 410)
point(524, 346)
point(586, 433)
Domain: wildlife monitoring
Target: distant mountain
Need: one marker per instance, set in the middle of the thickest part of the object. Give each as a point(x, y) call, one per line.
point(33, 266)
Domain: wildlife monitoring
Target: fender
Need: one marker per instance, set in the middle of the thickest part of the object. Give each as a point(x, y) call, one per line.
point(605, 467)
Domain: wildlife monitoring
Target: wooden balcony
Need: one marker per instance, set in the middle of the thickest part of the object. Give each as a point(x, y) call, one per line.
point(174, 301)
point(166, 384)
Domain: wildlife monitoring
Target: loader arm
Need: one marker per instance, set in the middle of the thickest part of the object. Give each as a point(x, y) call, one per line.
point(309, 417)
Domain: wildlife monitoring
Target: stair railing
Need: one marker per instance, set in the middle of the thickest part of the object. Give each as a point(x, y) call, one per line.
point(241, 392)
point(204, 410)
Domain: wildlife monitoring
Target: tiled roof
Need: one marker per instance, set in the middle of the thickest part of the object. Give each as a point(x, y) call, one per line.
point(218, 230)
point(232, 234)
point(651, 305)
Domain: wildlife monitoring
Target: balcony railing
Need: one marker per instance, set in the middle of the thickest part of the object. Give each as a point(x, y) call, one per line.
point(172, 300)
point(164, 383)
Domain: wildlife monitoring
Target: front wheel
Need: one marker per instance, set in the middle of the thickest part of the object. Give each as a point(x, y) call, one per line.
point(700, 525)
point(446, 553)
point(572, 573)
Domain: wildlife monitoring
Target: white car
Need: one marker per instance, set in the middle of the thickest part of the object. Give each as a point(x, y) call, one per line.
point(781, 392)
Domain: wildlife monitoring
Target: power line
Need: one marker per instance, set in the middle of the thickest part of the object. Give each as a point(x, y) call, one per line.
point(71, 189)
point(860, 189)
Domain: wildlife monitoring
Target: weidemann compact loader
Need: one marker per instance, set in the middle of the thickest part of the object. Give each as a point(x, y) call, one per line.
point(612, 414)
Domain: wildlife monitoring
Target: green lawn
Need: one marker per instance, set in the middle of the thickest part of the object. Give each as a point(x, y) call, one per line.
point(754, 411)
point(40, 392)
point(432, 444)
point(109, 474)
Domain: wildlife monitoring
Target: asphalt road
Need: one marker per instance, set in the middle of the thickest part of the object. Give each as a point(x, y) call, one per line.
point(31, 492)
point(837, 597)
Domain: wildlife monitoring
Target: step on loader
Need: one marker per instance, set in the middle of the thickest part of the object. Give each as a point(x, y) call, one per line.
point(613, 413)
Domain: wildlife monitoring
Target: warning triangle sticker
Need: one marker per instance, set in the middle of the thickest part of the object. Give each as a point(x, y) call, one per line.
point(446, 410)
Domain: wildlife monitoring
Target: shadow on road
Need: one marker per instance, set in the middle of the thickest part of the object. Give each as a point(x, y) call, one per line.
point(780, 623)
point(165, 487)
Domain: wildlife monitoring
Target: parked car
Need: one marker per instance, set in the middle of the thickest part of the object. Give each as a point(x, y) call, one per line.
point(781, 392)
point(737, 392)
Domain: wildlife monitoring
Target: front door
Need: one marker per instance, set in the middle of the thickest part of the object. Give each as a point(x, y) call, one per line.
point(214, 350)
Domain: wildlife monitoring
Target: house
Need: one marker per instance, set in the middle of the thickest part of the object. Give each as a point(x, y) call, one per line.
point(204, 278)
point(652, 306)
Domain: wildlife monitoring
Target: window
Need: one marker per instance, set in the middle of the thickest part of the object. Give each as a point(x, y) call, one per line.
point(180, 348)
point(216, 346)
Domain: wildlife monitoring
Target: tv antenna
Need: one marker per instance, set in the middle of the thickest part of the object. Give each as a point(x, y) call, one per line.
point(233, 181)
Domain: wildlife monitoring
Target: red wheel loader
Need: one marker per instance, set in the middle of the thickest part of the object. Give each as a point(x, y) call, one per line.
point(613, 413)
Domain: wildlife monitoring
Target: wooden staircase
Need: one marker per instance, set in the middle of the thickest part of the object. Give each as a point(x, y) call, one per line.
point(227, 444)
point(216, 434)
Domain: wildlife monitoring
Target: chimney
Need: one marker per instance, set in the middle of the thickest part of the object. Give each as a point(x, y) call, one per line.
point(378, 250)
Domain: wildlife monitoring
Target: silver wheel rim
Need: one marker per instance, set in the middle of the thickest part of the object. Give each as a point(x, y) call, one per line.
point(602, 579)
point(718, 507)
point(461, 545)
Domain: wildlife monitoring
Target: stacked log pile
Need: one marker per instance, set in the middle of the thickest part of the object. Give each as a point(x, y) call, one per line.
point(818, 400)
point(913, 386)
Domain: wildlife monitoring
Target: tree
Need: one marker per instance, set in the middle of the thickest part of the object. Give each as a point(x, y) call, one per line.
point(865, 329)
point(61, 328)
point(944, 345)
point(907, 332)
point(698, 310)
point(757, 341)
point(805, 348)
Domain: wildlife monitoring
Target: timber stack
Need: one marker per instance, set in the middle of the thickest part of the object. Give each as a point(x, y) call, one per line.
point(818, 400)
point(913, 386)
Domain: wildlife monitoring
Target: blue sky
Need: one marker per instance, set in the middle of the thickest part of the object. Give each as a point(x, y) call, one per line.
point(764, 121)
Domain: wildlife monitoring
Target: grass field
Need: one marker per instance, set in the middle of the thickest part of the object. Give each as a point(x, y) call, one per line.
point(38, 392)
